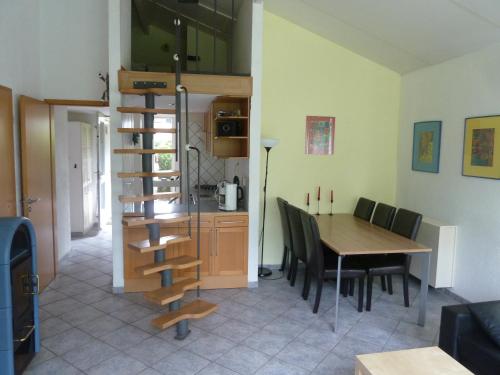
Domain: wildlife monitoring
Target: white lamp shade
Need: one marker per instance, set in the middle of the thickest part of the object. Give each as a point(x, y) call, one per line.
point(269, 142)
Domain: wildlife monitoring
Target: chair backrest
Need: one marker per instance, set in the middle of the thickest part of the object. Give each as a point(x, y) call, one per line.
point(383, 215)
point(285, 223)
point(314, 248)
point(407, 223)
point(297, 232)
point(364, 208)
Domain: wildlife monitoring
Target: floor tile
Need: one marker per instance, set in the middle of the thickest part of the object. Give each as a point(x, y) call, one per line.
point(243, 360)
point(348, 347)
point(267, 342)
point(62, 306)
point(151, 350)
point(181, 362)
point(120, 364)
point(125, 337)
point(43, 355)
point(210, 322)
point(66, 341)
point(277, 367)
point(335, 365)
point(81, 315)
point(215, 369)
point(321, 338)
point(53, 326)
point(284, 326)
point(101, 326)
point(401, 342)
point(111, 304)
point(302, 355)
point(52, 367)
point(91, 296)
point(210, 347)
point(234, 330)
point(132, 313)
point(89, 355)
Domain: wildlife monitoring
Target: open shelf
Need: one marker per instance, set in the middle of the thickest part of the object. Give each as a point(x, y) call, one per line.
point(235, 142)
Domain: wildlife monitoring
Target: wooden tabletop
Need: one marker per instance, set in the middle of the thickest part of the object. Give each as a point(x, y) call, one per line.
point(421, 361)
point(349, 235)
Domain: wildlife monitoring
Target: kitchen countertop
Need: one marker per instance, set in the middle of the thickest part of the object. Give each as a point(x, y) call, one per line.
point(208, 206)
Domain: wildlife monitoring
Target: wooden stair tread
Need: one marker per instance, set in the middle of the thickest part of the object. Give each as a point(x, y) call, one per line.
point(144, 151)
point(172, 293)
point(149, 174)
point(195, 310)
point(145, 198)
point(145, 110)
point(154, 91)
point(177, 263)
point(146, 130)
point(158, 219)
point(147, 246)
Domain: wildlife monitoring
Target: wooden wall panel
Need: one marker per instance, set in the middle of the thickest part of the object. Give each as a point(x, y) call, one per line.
point(7, 174)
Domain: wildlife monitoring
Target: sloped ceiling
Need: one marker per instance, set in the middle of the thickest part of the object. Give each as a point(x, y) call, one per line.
point(403, 35)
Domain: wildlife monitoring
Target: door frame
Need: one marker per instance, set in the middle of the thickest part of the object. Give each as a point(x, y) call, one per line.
point(22, 140)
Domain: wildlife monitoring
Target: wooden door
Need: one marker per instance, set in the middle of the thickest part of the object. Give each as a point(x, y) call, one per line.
point(230, 256)
point(7, 180)
point(37, 187)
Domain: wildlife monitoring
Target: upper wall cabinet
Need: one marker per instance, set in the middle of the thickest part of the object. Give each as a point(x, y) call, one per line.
point(227, 132)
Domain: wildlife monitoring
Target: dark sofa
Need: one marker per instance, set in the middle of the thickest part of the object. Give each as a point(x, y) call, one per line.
point(464, 336)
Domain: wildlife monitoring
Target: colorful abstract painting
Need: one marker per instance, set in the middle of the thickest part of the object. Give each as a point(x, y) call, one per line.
point(426, 146)
point(483, 143)
point(320, 133)
point(481, 158)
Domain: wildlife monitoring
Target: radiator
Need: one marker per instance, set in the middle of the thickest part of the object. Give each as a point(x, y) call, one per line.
point(441, 238)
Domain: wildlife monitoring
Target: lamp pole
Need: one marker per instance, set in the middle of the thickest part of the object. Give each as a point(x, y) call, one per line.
point(263, 272)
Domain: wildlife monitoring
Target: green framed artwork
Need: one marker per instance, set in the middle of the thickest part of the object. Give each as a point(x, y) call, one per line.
point(426, 146)
point(481, 156)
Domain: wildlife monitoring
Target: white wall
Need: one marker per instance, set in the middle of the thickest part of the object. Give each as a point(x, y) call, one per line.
point(19, 59)
point(254, 187)
point(74, 48)
point(450, 92)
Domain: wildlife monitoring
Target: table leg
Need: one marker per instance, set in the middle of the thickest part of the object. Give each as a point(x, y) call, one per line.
point(424, 287)
point(337, 294)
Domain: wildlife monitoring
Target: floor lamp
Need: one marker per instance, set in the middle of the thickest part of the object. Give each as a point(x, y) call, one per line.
point(268, 144)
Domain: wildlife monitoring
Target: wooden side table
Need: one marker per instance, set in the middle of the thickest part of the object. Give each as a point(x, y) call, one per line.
point(421, 361)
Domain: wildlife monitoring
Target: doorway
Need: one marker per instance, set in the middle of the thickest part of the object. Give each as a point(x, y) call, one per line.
point(82, 173)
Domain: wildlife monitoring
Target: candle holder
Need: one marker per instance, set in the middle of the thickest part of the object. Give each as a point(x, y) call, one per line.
point(307, 202)
point(331, 209)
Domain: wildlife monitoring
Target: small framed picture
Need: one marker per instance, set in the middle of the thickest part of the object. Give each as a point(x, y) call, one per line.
point(426, 146)
point(481, 147)
point(320, 133)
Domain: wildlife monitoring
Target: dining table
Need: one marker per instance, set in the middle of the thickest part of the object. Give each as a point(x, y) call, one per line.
point(348, 235)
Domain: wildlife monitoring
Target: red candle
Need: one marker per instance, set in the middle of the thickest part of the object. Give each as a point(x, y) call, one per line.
point(308, 199)
point(319, 192)
point(331, 196)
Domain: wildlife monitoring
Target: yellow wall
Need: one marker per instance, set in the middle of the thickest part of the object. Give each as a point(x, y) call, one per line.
point(305, 74)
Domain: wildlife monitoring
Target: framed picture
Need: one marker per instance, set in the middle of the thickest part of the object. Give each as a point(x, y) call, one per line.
point(426, 146)
point(481, 147)
point(320, 133)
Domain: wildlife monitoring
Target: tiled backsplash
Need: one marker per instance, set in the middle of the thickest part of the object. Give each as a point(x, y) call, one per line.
point(212, 170)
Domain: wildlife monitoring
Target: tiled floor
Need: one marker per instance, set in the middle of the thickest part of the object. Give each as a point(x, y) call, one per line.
point(267, 330)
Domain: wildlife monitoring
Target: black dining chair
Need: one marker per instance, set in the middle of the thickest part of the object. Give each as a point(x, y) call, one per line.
point(406, 223)
point(297, 241)
point(322, 263)
point(364, 208)
point(285, 226)
point(383, 215)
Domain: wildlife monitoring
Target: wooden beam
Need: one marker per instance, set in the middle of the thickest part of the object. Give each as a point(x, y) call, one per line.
point(211, 84)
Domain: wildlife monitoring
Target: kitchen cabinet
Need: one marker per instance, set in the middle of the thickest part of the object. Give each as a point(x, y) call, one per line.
point(223, 250)
point(227, 127)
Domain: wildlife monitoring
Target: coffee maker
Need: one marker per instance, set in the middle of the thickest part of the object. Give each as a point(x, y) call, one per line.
point(228, 195)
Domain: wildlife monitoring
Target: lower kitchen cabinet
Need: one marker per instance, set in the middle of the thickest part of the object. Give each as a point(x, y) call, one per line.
point(223, 251)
